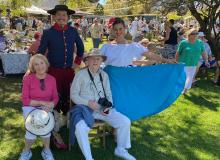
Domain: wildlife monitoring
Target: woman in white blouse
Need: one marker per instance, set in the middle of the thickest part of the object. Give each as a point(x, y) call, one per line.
point(121, 52)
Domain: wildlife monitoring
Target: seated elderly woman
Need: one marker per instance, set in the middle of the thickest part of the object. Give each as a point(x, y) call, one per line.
point(39, 91)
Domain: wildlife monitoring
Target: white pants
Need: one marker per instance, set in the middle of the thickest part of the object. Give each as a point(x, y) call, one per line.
point(115, 119)
point(190, 72)
point(28, 135)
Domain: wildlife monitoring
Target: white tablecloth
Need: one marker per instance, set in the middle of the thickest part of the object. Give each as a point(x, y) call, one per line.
point(15, 63)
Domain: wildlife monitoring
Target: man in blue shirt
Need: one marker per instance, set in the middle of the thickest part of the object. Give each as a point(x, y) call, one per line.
point(60, 40)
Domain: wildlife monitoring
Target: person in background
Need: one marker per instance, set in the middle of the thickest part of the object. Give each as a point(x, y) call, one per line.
point(181, 35)
point(76, 26)
point(151, 46)
point(189, 51)
point(208, 51)
point(38, 90)
point(46, 25)
point(170, 39)
point(2, 41)
point(134, 29)
point(96, 32)
point(84, 25)
point(35, 45)
point(2, 23)
point(29, 21)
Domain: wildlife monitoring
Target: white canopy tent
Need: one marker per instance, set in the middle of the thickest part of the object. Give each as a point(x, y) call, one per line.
point(35, 10)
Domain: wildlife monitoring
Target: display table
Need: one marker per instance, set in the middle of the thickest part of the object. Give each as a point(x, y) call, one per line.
point(15, 62)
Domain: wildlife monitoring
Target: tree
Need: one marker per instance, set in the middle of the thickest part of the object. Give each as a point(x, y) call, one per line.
point(16, 5)
point(78, 3)
point(99, 10)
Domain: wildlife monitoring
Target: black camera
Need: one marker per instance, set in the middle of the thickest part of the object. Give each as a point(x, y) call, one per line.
point(105, 104)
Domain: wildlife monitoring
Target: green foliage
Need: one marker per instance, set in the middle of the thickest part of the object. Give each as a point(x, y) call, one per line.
point(78, 4)
point(15, 6)
point(99, 10)
point(173, 15)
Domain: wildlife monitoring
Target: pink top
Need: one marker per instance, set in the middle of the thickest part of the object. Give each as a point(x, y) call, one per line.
point(31, 89)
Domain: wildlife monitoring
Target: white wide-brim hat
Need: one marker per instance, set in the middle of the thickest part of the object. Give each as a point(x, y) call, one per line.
point(39, 122)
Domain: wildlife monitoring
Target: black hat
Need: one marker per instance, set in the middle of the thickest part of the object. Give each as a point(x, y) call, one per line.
point(61, 8)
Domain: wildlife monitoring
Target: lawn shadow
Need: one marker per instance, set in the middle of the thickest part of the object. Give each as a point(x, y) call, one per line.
point(202, 101)
point(166, 142)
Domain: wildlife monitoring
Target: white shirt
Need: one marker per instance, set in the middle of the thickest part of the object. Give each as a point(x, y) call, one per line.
point(134, 27)
point(84, 23)
point(122, 54)
point(82, 89)
point(140, 23)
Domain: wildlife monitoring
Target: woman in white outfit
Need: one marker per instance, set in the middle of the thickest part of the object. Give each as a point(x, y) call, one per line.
point(121, 52)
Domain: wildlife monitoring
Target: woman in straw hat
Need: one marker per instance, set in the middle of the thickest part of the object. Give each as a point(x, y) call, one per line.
point(39, 90)
point(189, 52)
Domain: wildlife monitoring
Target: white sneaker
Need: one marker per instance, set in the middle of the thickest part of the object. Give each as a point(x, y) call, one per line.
point(123, 153)
point(25, 155)
point(47, 154)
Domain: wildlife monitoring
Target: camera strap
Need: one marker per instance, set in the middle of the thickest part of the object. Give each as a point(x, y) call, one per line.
point(101, 80)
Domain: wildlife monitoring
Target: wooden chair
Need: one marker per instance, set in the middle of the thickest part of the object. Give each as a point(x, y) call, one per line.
point(98, 130)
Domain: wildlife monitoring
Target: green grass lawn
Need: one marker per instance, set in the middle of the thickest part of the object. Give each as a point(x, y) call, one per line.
point(188, 130)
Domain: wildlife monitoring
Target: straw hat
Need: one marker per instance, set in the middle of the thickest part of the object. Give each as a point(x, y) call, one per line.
point(95, 53)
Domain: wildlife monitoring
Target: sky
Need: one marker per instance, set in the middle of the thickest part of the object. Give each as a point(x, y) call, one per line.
point(102, 2)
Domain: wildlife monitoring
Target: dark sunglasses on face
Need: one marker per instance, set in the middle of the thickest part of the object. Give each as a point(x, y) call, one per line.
point(42, 84)
point(194, 33)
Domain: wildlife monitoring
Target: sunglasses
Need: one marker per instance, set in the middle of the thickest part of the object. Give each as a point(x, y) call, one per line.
point(194, 33)
point(42, 84)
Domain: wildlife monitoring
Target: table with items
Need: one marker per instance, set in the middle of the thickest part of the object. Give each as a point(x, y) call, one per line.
point(15, 62)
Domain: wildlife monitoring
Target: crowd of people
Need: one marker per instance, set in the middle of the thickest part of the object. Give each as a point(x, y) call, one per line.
point(58, 50)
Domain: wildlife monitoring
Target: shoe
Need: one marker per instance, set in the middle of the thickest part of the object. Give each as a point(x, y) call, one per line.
point(184, 92)
point(25, 155)
point(123, 153)
point(60, 145)
point(47, 154)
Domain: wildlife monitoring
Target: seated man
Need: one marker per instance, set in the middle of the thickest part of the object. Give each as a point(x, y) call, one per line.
point(91, 89)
